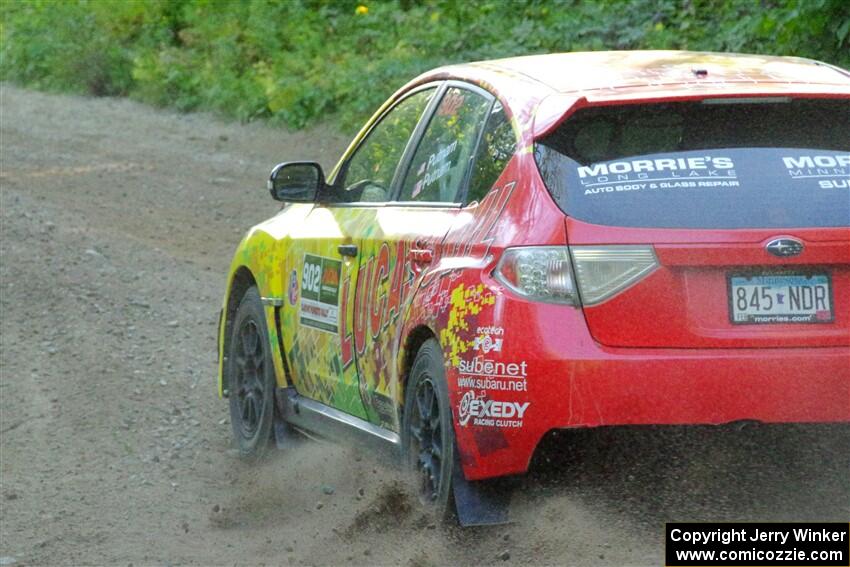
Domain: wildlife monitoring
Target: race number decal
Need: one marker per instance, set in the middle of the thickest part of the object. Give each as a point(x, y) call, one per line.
point(320, 293)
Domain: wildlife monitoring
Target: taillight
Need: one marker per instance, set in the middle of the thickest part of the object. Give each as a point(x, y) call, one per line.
point(603, 271)
point(539, 273)
point(544, 273)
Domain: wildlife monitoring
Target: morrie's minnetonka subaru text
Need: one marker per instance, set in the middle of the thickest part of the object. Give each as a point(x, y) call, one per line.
point(516, 247)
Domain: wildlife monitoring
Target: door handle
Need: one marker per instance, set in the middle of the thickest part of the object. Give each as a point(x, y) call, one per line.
point(421, 256)
point(347, 250)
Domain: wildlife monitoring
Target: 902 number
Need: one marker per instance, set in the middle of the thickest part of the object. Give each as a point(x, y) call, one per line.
point(311, 278)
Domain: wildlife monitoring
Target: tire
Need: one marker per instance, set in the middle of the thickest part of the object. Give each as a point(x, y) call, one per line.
point(428, 435)
point(250, 378)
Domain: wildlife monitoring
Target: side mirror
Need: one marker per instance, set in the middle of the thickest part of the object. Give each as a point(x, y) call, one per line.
point(296, 181)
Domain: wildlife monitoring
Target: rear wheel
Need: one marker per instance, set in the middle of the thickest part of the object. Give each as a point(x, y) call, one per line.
point(428, 435)
point(250, 378)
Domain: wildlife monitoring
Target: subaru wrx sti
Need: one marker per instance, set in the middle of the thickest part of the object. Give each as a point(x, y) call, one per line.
point(516, 247)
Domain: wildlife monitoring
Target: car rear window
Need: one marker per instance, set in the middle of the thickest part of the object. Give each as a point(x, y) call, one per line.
point(722, 163)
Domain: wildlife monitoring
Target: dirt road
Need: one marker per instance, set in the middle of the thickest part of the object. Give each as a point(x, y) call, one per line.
point(118, 222)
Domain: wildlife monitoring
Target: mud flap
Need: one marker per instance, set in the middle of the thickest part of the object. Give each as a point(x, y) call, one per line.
point(284, 436)
point(479, 503)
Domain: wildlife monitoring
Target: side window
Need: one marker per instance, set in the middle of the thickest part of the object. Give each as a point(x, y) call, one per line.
point(369, 173)
point(439, 165)
point(497, 147)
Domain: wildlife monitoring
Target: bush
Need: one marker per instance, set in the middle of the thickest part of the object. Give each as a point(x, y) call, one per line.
point(300, 61)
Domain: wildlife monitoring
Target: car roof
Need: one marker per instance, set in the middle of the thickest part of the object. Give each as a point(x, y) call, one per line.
point(540, 89)
point(660, 70)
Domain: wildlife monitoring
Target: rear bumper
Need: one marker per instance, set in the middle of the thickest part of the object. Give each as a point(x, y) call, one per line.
point(591, 385)
point(711, 387)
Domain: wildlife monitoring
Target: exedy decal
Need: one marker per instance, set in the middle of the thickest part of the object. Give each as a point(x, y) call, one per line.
point(478, 410)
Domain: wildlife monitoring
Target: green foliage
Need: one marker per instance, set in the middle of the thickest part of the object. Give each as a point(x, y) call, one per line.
point(299, 61)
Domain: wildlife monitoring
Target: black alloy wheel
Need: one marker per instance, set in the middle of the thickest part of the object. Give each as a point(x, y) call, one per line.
point(250, 378)
point(426, 439)
point(428, 435)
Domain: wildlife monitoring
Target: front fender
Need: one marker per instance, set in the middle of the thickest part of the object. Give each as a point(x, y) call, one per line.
point(259, 261)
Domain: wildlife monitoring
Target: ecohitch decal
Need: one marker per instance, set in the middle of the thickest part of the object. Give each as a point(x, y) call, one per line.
point(488, 339)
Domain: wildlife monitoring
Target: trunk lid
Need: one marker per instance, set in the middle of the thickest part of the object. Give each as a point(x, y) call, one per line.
point(744, 203)
point(687, 301)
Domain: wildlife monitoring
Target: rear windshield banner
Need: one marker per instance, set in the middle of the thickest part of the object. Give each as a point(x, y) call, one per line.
point(730, 188)
point(713, 169)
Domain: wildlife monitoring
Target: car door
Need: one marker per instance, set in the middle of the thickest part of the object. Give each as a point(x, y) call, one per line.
point(322, 261)
point(401, 242)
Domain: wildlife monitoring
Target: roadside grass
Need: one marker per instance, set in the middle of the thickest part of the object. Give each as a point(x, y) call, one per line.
point(302, 61)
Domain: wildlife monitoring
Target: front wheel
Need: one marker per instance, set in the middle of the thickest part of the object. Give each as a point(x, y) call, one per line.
point(250, 378)
point(428, 435)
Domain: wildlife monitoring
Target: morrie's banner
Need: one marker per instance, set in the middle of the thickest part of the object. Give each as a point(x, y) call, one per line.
point(824, 544)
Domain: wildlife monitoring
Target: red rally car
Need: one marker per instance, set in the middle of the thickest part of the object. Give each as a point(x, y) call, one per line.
point(513, 247)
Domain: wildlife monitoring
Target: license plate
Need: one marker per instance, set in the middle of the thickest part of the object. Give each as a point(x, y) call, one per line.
point(780, 298)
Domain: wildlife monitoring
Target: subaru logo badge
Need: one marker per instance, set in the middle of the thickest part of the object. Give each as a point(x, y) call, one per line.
point(784, 247)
